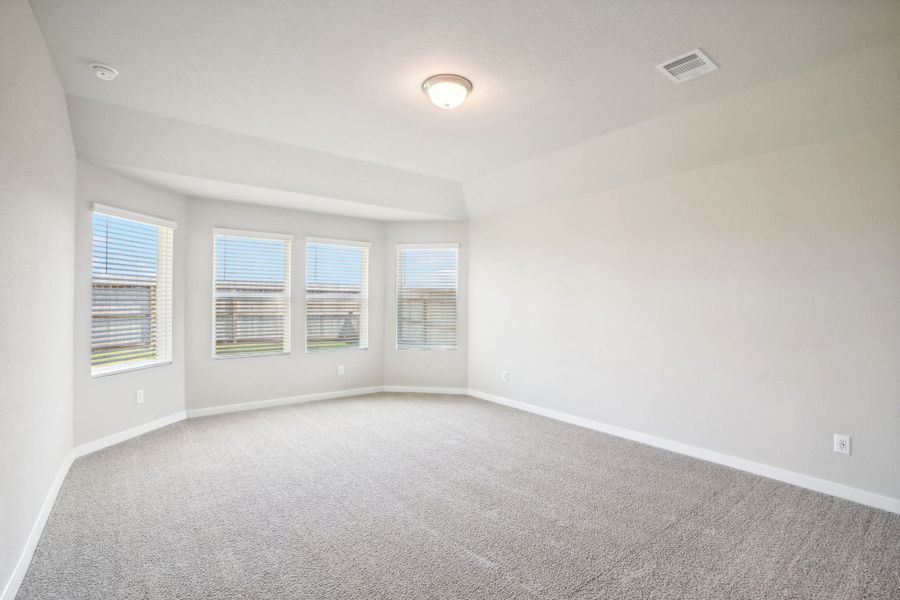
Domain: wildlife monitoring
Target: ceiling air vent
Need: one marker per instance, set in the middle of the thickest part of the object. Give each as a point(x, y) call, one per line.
point(687, 66)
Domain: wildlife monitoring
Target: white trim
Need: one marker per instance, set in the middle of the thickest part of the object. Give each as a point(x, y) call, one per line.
point(326, 351)
point(127, 434)
point(252, 234)
point(112, 211)
point(437, 348)
point(18, 574)
point(247, 355)
point(805, 481)
point(411, 389)
point(230, 408)
point(337, 242)
point(427, 246)
point(103, 371)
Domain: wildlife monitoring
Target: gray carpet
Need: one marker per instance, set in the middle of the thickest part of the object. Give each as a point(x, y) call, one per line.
point(406, 496)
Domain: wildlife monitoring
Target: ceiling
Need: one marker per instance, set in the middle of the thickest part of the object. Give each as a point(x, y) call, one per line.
point(342, 78)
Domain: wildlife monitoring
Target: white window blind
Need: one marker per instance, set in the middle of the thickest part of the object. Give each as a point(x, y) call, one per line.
point(131, 290)
point(337, 295)
point(252, 280)
point(427, 296)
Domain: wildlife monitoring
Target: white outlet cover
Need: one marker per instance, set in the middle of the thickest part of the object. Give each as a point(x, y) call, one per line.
point(842, 444)
point(139, 396)
point(340, 370)
point(504, 375)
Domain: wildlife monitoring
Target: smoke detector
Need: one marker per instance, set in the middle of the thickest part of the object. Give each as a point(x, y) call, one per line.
point(687, 66)
point(104, 72)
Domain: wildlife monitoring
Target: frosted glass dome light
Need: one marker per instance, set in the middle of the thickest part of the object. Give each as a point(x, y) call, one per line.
point(447, 91)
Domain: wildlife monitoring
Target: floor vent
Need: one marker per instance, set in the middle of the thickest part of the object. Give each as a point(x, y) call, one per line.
point(687, 66)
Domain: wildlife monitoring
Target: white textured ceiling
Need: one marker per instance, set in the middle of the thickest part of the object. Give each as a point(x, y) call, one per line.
point(342, 77)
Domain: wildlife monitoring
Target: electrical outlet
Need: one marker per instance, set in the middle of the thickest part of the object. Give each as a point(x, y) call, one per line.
point(842, 444)
point(504, 375)
point(340, 370)
point(139, 396)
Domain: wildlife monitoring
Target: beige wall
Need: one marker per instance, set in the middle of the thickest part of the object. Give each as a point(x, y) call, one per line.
point(106, 405)
point(425, 368)
point(37, 225)
point(215, 382)
point(749, 308)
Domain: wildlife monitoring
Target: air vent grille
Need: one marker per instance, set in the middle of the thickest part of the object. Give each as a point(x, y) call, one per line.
point(687, 66)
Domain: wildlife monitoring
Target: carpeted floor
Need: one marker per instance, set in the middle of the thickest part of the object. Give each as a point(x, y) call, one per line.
point(406, 496)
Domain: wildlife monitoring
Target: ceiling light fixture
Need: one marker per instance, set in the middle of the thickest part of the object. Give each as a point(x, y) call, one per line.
point(446, 90)
point(104, 72)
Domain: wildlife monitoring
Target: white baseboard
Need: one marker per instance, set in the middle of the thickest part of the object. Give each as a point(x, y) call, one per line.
point(230, 408)
point(791, 477)
point(805, 481)
point(127, 434)
point(12, 585)
point(407, 389)
point(11, 588)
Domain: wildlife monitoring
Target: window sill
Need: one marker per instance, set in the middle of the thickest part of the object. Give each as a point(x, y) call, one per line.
point(126, 367)
point(439, 348)
point(248, 355)
point(330, 350)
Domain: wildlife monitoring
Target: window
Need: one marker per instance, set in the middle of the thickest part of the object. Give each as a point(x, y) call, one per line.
point(427, 296)
point(252, 280)
point(337, 295)
point(131, 290)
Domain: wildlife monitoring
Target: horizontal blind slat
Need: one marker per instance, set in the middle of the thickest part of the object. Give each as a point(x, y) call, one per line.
point(251, 303)
point(337, 290)
point(427, 297)
point(131, 297)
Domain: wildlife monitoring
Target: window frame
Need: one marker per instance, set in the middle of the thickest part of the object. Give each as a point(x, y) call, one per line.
point(423, 246)
point(367, 296)
point(287, 329)
point(145, 219)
